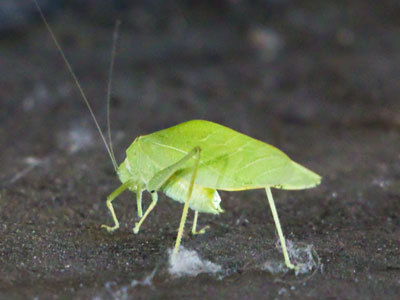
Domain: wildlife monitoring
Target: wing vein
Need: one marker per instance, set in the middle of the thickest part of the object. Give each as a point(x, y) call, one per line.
point(152, 160)
point(168, 147)
point(269, 171)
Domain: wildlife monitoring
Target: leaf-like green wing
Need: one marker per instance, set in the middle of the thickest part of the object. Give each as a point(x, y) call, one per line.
point(229, 160)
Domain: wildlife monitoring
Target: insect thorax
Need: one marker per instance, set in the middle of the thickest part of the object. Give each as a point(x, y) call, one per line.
point(138, 168)
point(135, 167)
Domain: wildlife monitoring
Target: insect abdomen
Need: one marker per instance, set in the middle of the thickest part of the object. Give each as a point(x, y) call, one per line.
point(204, 200)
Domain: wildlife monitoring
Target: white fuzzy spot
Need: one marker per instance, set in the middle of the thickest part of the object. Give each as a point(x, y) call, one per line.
point(283, 291)
point(188, 263)
point(382, 183)
point(32, 163)
point(147, 281)
point(274, 267)
point(305, 257)
point(39, 96)
point(124, 292)
point(77, 138)
point(302, 256)
point(267, 41)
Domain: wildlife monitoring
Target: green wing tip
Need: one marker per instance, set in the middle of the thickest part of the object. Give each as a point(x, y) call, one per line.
point(317, 181)
point(306, 178)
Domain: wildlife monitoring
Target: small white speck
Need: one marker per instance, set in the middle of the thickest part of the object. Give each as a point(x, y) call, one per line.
point(282, 291)
point(382, 183)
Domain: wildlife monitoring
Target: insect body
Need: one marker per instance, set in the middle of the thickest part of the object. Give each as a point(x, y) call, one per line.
point(213, 157)
point(190, 162)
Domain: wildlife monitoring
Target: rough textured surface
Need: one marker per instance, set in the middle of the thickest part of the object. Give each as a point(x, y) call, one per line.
point(319, 80)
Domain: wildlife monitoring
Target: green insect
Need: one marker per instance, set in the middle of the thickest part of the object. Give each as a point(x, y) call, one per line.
point(191, 161)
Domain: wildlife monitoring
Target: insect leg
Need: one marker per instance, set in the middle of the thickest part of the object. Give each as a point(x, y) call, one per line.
point(154, 197)
point(186, 206)
point(110, 198)
point(162, 176)
point(279, 229)
point(194, 231)
point(160, 179)
point(139, 201)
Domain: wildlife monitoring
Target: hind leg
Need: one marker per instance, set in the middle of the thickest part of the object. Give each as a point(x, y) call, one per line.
point(279, 230)
point(196, 153)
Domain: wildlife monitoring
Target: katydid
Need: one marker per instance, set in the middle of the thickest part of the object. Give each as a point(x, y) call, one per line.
point(192, 161)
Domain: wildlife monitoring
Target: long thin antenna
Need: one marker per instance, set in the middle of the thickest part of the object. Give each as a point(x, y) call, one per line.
point(109, 87)
point(77, 83)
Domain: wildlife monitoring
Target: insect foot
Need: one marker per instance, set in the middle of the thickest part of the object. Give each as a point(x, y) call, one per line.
point(136, 228)
point(201, 231)
point(297, 268)
point(291, 266)
point(109, 228)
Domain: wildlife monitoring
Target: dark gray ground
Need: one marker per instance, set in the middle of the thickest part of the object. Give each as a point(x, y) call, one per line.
point(320, 81)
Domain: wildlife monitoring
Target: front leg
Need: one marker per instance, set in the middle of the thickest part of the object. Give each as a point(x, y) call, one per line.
point(154, 198)
point(110, 198)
